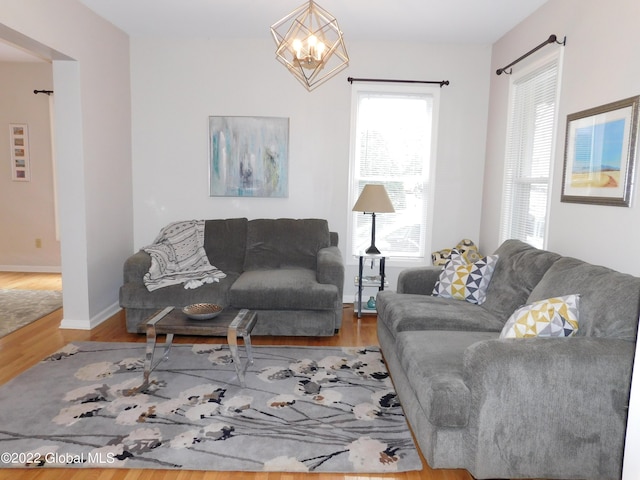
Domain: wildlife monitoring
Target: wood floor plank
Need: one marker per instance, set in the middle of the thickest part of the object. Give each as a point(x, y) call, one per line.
point(30, 281)
point(25, 347)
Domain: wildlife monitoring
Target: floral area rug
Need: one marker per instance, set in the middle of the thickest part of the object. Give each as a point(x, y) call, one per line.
point(303, 409)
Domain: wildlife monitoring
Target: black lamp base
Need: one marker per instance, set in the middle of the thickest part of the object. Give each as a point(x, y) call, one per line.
point(372, 250)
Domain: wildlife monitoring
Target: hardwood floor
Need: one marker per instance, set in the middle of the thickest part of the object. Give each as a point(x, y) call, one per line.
point(30, 281)
point(25, 347)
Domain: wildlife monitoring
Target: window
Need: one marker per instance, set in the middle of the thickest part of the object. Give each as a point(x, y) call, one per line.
point(529, 153)
point(392, 140)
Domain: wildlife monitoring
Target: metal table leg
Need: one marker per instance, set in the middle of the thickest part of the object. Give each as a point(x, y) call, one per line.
point(150, 351)
point(241, 325)
point(360, 271)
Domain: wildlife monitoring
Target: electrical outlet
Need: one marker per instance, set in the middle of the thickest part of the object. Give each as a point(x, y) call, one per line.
point(38, 243)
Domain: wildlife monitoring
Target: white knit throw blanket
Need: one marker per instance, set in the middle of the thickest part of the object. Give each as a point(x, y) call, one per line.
point(178, 256)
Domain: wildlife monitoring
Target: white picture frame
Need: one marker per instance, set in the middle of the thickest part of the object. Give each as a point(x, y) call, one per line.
point(19, 152)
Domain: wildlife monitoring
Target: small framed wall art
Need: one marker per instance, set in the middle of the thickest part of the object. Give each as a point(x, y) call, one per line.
point(19, 146)
point(248, 156)
point(599, 156)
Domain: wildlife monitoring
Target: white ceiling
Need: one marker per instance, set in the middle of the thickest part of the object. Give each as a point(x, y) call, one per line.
point(429, 21)
point(441, 21)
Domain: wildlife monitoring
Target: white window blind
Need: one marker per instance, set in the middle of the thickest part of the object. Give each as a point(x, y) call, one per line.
point(392, 131)
point(529, 154)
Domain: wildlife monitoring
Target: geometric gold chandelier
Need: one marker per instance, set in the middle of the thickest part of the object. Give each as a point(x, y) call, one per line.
point(310, 44)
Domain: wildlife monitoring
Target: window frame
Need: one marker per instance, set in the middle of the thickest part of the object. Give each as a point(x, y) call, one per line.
point(504, 232)
point(428, 183)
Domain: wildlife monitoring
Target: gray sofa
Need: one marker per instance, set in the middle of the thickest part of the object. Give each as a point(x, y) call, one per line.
point(515, 408)
point(289, 270)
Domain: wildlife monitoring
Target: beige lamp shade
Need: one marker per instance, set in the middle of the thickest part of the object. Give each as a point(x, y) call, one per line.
point(374, 199)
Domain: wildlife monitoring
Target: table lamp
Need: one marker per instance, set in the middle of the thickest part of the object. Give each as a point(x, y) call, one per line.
point(373, 199)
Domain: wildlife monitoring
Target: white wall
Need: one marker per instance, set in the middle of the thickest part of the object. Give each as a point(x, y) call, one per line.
point(601, 65)
point(93, 145)
point(178, 83)
point(27, 208)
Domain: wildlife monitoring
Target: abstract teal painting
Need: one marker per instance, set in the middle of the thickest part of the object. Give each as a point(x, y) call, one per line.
point(248, 156)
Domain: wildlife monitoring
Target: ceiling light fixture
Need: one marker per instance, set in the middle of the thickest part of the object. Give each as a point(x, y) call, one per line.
point(310, 45)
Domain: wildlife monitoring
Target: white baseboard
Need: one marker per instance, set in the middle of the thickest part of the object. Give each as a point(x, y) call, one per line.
point(31, 268)
point(105, 314)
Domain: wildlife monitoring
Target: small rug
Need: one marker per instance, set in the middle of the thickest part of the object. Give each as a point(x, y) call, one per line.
point(21, 307)
point(304, 409)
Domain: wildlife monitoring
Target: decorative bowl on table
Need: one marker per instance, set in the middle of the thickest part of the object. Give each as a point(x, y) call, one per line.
point(202, 311)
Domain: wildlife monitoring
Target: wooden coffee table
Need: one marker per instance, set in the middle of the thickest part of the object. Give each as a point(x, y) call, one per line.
point(171, 321)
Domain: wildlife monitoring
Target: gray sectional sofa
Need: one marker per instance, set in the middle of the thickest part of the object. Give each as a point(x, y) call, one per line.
point(515, 408)
point(289, 270)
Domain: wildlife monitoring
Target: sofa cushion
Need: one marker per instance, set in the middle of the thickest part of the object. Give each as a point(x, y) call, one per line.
point(433, 362)
point(285, 242)
point(552, 317)
point(414, 312)
point(519, 270)
point(283, 289)
point(136, 295)
point(609, 300)
point(225, 242)
point(465, 281)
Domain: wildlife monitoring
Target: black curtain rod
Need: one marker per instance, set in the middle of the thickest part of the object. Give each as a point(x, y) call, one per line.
point(441, 83)
point(551, 39)
point(48, 92)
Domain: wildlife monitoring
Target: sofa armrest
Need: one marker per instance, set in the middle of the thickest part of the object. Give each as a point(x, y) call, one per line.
point(333, 239)
point(420, 280)
point(136, 266)
point(559, 401)
point(331, 268)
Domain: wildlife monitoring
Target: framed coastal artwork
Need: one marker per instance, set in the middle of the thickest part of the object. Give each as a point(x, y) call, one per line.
point(248, 156)
point(600, 153)
point(19, 152)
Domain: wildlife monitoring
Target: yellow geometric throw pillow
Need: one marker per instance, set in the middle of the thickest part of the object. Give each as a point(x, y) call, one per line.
point(553, 317)
point(468, 250)
point(465, 281)
point(465, 247)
